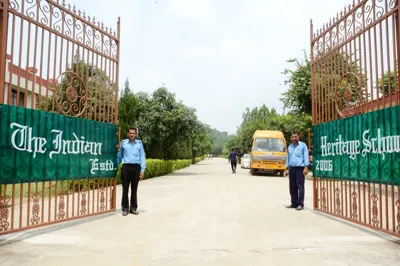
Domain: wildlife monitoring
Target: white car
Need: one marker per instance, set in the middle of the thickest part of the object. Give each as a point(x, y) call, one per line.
point(246, 161)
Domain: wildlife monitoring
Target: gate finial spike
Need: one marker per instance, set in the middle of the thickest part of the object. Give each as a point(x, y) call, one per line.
point(74, 9)
point(354, 3)
point(94, 20)
point(89, 18)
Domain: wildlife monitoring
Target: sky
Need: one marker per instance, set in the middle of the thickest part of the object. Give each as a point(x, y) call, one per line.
point(217, 56)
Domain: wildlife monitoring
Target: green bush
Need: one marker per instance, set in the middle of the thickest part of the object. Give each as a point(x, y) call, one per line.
point(198, 159)
point(157, 167)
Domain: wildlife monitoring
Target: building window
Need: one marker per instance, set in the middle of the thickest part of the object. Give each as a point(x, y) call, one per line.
point(14, 98)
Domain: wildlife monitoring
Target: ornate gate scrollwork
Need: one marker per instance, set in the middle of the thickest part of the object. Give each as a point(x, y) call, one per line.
point(35, 209)
point(71, 97)
point(349, 94)
point(4, 213)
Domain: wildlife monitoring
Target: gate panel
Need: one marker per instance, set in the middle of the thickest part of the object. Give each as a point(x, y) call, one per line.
point(63, 62)
point(355, 96)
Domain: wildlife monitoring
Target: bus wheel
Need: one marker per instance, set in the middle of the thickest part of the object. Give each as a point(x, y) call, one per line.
point(252, 171)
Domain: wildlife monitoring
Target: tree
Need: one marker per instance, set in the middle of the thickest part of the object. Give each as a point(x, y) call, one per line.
point(200, 141)
point(233, 143)
point(298, 96)
point(257, 118)
point(386, 89)
point(293, 121)
point(169, 129)
point(219, 140)
point(264, 119)
point(127, 109)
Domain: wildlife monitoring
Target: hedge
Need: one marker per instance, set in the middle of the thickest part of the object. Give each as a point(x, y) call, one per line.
point(198, 159)
point(154, 168)
point(157, 167)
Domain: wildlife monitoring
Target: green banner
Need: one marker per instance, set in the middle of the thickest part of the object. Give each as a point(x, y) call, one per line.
point(365, 148)
point(40, 146)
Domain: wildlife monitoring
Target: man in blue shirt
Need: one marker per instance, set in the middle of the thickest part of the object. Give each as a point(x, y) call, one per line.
point(297, 164)
point(232, 159)
point(132, 156)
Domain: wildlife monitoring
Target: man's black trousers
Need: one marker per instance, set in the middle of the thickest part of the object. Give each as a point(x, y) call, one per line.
point(130, 178)
point(296, 184)
point(233, 165)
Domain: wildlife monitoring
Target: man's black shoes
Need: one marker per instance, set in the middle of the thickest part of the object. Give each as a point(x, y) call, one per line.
point(134, 212)
point(297, 208)
point(125, 212)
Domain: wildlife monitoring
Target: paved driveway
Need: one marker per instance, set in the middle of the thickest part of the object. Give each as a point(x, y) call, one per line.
point(204, 215)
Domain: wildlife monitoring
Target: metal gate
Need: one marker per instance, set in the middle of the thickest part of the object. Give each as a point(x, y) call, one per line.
point(355, 98)
point(59, 62)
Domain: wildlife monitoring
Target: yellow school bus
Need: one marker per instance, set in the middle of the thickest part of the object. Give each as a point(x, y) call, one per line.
point(268, 152)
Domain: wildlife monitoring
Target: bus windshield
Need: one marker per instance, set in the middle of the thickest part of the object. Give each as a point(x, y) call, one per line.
point(269, 145)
